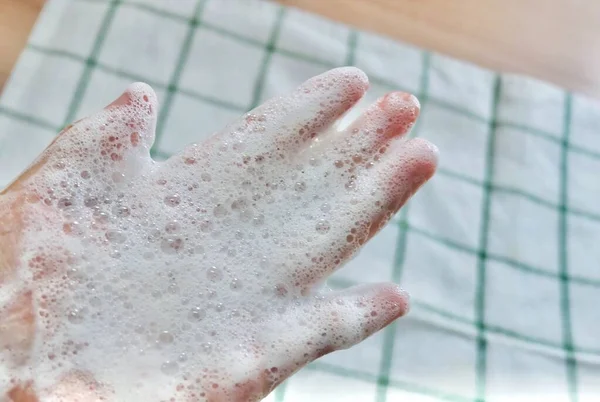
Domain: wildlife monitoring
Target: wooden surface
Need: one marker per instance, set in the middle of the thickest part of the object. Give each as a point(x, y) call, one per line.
point(16, 20)
point(555, 40)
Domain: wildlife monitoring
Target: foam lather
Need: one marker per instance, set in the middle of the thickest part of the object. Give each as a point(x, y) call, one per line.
point(197, 278)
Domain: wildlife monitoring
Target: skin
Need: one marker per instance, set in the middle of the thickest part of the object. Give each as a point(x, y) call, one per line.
point(400, 168)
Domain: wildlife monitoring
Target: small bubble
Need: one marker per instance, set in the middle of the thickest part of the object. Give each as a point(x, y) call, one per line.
point(246, 215)
point(325, 207)
point(169, 367)
point(73, 228)
point(206, 226)
point(238, 145)
point(154, 235)
point(314, 162)
point(65, 203)
point(171, 245)
point(90, 202)
point(300, 186)
point(239, 204)
point(205, 177)
point(339, 164)
point(173, 289)
point(172, 227)
point(219, 211)
point(214, 274)
point(323, 226)
point(219, 307)
point(121, 211)
point(165, 337)
point(182, 357)
point(258, 220)
point(75, 316)
point(172, 200)
point(207, 347)
point(118, 177)
point(74, 274)
point(100, 217)
point(196, 314)
point(85, 174)
point(115, 236)
point(236, 284)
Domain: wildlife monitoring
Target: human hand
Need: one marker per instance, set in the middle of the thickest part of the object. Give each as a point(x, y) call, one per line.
point(196, 279)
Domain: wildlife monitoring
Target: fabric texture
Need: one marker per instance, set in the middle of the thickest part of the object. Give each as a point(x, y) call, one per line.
point(499, 251)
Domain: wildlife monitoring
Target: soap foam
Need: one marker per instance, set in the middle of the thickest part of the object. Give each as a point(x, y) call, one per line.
point(178, 280)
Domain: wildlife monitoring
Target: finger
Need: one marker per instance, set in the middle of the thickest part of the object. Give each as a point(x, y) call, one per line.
point(283, 125)
point(123, 128)
point(112, 137)
point(405, 169)
point(338, 321)
point(391, 117)
point(373, 197)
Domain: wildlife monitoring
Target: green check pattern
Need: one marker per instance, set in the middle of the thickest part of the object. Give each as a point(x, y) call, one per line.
point(497, 250)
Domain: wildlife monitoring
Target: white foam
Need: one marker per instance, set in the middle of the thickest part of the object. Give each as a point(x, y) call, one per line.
point(170, 269)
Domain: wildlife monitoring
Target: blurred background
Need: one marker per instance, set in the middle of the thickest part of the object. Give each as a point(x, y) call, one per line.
point(499, 250)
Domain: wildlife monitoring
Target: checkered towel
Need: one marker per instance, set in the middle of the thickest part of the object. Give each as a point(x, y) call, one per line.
point(500, 250)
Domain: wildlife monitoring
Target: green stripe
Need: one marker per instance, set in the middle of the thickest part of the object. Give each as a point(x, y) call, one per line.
point(136, 77)
point(498, 330)
point(280, 392)
point(481, 363)
point(419, 304)
point(583, 214)
point(565, 305)
point(584, 151)
point(259, 84)
point(33, 120)
point(184, 53)
point(531, 197)
point(90, 62)
point(402, 385)
point(352, 45)
point(592, 282)
point(389, 335)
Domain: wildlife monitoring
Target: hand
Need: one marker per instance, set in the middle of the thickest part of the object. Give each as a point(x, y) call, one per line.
point(196, 279)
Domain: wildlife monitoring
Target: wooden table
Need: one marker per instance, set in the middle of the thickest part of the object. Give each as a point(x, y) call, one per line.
point(16, 20)
point(555, 40)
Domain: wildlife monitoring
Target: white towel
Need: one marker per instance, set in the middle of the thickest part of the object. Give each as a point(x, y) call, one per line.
point(499, 251)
